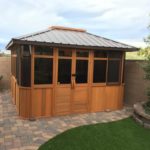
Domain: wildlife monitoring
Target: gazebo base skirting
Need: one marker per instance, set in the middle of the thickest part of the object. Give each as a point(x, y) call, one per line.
point(36, 102)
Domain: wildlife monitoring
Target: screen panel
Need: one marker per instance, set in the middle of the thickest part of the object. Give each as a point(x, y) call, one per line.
point(43, 50)
point(114, 70)
point(43, 71)
point(64, 71)
point(26, 71)
point(81, 71)
point(82, 53)
point(99, 72)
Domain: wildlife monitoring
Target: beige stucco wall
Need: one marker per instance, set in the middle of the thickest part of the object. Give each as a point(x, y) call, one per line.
point(135, 85)
point(5, 63)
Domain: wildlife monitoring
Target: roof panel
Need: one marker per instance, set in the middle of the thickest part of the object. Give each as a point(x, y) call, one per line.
point(72, 37)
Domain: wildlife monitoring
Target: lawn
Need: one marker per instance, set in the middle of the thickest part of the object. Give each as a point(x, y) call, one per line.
point(120, 135)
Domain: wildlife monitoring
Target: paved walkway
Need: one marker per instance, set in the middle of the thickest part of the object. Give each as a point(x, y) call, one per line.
point(18, 134)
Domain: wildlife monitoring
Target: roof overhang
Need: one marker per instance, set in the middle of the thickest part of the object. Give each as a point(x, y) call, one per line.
point(17, 41)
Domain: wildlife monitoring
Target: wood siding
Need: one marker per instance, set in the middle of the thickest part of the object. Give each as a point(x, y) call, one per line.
point(66, 101)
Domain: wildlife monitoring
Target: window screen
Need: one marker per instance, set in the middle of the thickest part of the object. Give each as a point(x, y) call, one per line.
point(26, 71)
point(113, 71)
point(81, 71)
point(99, 73)
point(25, 50)
point(65, 53)
point(43, 70)
point(64, 71)
point(18, 63)
point(43, 50)
point(115, 54)
point(100, 54)
point(82, 53)
point(13, 65)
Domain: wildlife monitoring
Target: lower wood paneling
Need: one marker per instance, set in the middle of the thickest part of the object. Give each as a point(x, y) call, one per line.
point(62, 101)
point(98, 101)
point(13, 89)
point(24, 102)
point(107, 98)
point(80, 100)
point(40, 102)
point(17, 97)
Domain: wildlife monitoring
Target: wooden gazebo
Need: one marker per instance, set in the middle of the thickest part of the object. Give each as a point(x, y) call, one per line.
point(64, 70)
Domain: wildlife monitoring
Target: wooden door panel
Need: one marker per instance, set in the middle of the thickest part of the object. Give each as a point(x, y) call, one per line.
point(98, 99)
point(80, 100)
point(62, 103)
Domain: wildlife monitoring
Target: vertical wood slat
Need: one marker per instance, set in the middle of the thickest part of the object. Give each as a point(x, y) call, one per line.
point(32, 48)
point(55, 77)
point(90, 78)
point(73, 71)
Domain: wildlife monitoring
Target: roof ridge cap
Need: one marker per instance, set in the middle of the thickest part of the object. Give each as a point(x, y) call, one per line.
point(67, 28)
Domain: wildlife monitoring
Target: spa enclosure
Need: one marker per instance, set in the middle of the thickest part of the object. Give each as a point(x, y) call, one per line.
point(62, 71)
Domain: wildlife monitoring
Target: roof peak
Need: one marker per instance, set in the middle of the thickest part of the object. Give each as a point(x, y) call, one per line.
point(66, 28)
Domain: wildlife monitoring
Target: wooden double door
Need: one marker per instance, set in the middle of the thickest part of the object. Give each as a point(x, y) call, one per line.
point(72, 88)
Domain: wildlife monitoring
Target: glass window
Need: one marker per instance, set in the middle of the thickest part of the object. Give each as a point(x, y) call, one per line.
point(66, 53)
point(43, 50)
point(82, 53)
point(81, 71)
point(64, 71)
point(115, 54)
point(99, 73)
point(100, 54)
point(113, 71)
point(43, 70)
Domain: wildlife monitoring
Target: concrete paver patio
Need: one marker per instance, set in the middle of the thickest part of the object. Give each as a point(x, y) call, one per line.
point(19, 134)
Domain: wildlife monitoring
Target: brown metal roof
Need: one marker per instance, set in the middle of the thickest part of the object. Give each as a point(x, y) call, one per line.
point(70, 37)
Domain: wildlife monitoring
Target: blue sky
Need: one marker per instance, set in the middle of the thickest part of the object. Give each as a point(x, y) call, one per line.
point(122, 20)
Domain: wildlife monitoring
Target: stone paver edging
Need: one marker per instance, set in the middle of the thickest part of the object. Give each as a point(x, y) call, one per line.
point(18, 134)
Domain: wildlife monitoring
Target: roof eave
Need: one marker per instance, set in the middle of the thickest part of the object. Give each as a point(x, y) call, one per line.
point(17, 41)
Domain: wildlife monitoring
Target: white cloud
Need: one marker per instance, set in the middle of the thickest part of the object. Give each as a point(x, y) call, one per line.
point(117, 19)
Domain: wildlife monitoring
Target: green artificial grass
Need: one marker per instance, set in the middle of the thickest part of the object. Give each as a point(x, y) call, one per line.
point(120, 135)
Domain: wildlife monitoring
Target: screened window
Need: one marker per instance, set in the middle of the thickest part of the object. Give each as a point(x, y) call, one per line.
point(18, 63)
point(43, 50)
point(25, 50)
point(115, 54)
point(99, 73)
point(26, 71)
point(113, 71)
point(65, 53)
point(82, 53)
point(24, 59)
point(100, 54)
point(64, 71)
point(81, 71)
point(43, 70)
